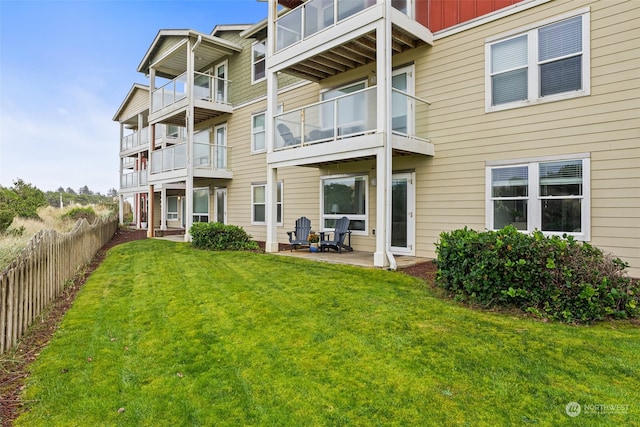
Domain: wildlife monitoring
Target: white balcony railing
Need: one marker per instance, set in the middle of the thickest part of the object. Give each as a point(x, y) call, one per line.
point(205, 87)
point(205, 156)
point(133, 179)
point(135, 139)
point(314, 16)
point(210, 156)
point(169, 135)
point(349, 115)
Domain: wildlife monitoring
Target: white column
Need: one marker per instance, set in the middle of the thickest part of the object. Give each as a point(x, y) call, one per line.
point(188, 197)
point(120, 209)
point(271, 243)
point(163, 208)
point(383, 157)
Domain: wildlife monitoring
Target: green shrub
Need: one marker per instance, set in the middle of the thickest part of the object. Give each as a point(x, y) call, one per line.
point(6, 219)
point(552, 277)
point(81, 212)
point(220, 237)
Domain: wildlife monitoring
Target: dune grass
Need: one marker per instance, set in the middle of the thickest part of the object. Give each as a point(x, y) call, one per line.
point(166, 335)
point(11, 245)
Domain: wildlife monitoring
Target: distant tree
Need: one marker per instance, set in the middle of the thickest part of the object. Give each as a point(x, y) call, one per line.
point(7, 201)
point(23, 199)
point(60, 190)
point(112, 192)
point(70, 190)
point(85, 190)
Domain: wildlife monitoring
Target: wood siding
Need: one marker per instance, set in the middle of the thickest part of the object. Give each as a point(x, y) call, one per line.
point(440, 14)
point(450, 190)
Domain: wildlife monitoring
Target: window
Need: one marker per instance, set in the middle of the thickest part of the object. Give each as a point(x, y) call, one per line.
point(549, 195)
point(201, 205)
point(258, 61)
point(348, 113)
point(345, 196)
point(258, 134)
point(548, 62)
point(259, 204)
point(172, 208)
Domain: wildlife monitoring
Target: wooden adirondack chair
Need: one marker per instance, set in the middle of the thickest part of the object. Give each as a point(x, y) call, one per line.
point(337, 242)
point(300, 236)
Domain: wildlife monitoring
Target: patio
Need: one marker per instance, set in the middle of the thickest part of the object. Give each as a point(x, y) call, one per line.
point(358, 258)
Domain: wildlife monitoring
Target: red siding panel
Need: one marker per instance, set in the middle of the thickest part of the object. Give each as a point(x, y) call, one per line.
point(439, 14)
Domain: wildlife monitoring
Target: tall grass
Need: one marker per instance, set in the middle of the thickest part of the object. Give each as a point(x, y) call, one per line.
point(12, 243)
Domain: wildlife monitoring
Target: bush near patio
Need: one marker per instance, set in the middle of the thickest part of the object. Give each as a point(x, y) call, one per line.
point(220, 237)
point(552, 277)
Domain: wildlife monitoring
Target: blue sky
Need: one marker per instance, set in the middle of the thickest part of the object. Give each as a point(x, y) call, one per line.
point(65, 68)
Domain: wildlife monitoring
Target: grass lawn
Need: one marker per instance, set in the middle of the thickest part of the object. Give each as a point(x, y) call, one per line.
point(166, 335)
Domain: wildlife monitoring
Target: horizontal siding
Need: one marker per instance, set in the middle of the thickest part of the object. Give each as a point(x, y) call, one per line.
point(137, 103)
point(606, 124)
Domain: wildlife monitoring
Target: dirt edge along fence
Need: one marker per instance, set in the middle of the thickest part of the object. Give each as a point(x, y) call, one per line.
point(38, 275)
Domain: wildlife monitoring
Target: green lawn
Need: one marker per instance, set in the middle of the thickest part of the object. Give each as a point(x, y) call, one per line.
point(166, 335)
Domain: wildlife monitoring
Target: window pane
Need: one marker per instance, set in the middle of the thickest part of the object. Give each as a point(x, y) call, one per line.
point(561, 178)
point(201, 201)
point(172, 204)
point(259, 141)
point(259, 194)
point(509, 87)
point(345, 196)
point(510, 182)
point(259, 213)
point(560, 76)
point(259, 70)
point(560, 39)
point(562, 215)
point(258, 123)
point(512, 212)
point(509, 54)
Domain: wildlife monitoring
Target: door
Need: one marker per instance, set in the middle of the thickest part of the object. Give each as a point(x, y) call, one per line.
point(221, 205)
point(401, 101)
point(221, 82)
point(403, 214)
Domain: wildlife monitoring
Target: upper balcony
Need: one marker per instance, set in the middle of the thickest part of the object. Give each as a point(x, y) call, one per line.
point(346, 127)
point(193, 66)
point(170, 164)
point(210, 97)
point(322, 38)
point(134, 142)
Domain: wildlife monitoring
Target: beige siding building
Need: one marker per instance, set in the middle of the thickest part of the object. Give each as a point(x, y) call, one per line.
point(406, 124)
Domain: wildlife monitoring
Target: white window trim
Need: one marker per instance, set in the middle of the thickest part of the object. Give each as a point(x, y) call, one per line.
point(253, 79)
point(533, 76)
point(533, 211)
point(364, 217)
point(281, 203)
point(208, 214)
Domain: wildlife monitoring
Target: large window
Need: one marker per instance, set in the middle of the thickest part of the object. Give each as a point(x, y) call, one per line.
point(258, 61)
point(548, 62)
point(201, 205)
point(259, 204)
point(172, 208)
point(345, 196)
point(549, 195)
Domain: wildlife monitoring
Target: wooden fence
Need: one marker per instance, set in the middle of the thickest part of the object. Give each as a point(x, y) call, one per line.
point(38, 275)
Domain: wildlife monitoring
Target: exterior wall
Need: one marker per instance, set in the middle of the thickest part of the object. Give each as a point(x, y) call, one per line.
point(451, 189)
point(439, 14)
point(136, 104)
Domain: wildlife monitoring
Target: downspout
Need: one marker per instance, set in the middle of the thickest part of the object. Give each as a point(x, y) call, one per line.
point(197, 43)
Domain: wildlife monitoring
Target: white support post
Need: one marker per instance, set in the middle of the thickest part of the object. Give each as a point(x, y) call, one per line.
point(271, 243)
point(163, 208)
point(120, 209)
point(188, 197)
point(383, 157)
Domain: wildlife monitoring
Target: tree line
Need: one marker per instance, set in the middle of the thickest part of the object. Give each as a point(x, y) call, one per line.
point(23, 200)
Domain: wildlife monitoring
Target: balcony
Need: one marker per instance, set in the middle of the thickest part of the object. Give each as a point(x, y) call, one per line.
point(209, 161)
point(132, 180)
point(134, 141)
point(346, 127)
point(323, 38)
point(169, 135)
point(169, 102)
